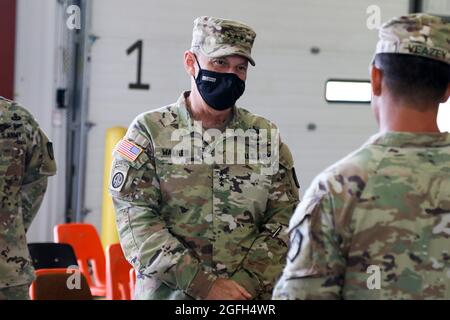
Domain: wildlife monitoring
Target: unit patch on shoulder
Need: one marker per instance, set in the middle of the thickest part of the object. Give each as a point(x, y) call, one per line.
point(119, 176)
point(117, 180)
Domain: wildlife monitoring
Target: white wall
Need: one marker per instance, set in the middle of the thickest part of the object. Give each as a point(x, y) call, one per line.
point(444, 117)
point(35, 84)
point(287, 84)
point(441, 7)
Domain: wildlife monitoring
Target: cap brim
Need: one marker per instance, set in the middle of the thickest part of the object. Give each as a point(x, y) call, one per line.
point(227, 52)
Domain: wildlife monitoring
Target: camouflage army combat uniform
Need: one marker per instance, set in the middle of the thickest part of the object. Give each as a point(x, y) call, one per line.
point(184, 225)
point(386, 205)
point(376, 225)
point(26, 162)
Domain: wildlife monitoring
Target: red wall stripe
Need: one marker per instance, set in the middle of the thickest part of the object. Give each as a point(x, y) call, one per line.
point(7, 47)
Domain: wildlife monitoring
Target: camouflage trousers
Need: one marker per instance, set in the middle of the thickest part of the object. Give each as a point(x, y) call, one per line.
point(15, 293)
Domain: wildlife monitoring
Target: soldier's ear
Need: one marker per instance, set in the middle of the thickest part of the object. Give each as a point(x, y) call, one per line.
point(189, 63)
point(446, 95)
point(376, 80)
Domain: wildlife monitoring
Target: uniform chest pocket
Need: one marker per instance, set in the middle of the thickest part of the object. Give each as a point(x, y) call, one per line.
point(244, 178)
point(242, 191)
point(168, 170)
point(12, 164)
point(182, 180)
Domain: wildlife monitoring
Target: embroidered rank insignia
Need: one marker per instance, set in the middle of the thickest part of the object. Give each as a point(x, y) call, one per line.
point(129, 150)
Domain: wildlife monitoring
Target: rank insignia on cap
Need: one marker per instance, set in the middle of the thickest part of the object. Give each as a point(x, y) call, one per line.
point(129, 150)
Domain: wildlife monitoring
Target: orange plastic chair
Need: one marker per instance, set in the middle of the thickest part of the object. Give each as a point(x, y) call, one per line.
point(132, 282)
point(117, 274)
point(53, 284)
point(87, 246)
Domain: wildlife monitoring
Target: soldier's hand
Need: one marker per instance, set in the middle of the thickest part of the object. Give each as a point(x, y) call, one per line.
point(225, 289)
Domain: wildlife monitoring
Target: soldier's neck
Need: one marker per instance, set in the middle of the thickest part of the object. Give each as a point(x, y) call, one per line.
point(200, 111)
point(406, 118)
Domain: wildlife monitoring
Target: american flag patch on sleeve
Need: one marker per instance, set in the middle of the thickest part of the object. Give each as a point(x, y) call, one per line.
point(129, 150)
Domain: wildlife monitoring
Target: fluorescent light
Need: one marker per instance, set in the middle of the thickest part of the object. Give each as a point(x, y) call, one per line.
point(348, 91)
point(443, 119)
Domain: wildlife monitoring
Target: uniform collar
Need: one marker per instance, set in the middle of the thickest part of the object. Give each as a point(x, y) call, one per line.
point(185, 119)
point(411, 139)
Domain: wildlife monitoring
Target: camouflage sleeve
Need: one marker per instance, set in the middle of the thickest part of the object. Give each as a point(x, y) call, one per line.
point(265, 259)
point(147, 242)
point(40, 164)
point(316, 264)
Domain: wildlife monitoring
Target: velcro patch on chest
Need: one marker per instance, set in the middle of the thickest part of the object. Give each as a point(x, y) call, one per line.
point(129, 150)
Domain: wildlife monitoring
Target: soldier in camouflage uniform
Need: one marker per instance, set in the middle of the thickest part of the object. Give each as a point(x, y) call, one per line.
point(376, 225)
point(26, 162)
point(198, 229)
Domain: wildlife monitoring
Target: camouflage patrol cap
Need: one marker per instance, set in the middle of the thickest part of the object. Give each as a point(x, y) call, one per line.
point(216, 37)
point(416, 34)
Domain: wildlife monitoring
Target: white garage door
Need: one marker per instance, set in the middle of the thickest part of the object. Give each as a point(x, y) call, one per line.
point(286, 86)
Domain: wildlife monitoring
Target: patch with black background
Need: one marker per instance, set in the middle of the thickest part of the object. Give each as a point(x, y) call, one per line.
point(51, 154)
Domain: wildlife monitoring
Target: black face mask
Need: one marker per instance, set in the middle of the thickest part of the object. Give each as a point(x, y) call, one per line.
point(219, 90)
